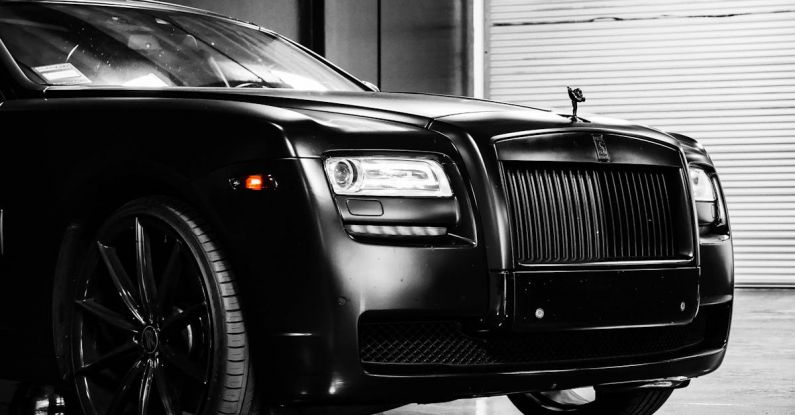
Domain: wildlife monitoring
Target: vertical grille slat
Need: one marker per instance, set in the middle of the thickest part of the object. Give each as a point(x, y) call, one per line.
point(594, 207)
point(554, 211)
point(547, 247)
point(630, 205)
point(649, 215)
point(661, 212)
point(571, 225)
point(575, 224)
point(591, 213)
point(616, 226)
point(535, 222)
point(625, 217)
point(667, 216)
point(637, 203)
point(655, 228)
point(588, 253)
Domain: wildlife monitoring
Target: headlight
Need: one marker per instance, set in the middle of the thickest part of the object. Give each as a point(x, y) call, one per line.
point(709, 203)
point(387, 176)
point(703, 188)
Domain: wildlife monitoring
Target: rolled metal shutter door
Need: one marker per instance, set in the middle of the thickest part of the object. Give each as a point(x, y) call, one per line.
point(722, 72)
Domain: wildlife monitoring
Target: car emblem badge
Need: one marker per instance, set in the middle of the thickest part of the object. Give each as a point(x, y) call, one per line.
point(149, 340)
point(601, 148)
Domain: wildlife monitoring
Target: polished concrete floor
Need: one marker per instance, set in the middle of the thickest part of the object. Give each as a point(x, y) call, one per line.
point(757, 377)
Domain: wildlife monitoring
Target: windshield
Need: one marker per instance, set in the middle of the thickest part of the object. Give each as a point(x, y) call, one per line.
point(100, 45)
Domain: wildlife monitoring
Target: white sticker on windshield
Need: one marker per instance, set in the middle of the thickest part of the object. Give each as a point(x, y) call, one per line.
point(62, 74)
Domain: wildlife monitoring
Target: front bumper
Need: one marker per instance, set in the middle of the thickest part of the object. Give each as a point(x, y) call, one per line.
point(357, 383)
point(398, 390)
point(307, 287)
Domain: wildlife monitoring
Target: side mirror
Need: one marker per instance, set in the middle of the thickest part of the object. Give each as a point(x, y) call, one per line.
point(371, 86)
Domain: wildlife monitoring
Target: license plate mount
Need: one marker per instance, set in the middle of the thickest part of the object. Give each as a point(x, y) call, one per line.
point(605, 298)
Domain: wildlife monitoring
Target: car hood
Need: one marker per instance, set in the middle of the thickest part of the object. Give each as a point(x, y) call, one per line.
point(410, 108)
point(481, 119)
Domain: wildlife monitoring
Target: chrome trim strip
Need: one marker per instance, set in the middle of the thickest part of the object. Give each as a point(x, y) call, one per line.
point(608, 264)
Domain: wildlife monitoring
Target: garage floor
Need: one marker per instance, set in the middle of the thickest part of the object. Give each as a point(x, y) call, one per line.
point(758, 376)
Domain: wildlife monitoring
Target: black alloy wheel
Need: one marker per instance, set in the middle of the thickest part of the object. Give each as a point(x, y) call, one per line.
point(156, 327)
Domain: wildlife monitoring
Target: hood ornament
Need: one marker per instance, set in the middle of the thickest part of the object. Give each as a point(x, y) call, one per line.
point(576, 97)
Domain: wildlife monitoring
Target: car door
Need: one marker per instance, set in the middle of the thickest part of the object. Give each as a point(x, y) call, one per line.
point(5, 295)
point(26, 249)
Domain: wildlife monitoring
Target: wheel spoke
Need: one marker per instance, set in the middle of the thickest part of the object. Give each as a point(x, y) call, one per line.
point(107, 359)
point(111, 317)
point(145, 392)
point(170, 277)
point(120, 279)
point(145, 274)
point(184, 365)
point(127, 383)
point(184, 318)
point(165, 391)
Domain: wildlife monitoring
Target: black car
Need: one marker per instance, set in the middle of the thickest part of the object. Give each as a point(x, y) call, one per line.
point(201, 216)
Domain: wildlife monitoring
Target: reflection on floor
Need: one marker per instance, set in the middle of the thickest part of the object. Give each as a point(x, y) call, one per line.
point(482, 406)
point(758, 376)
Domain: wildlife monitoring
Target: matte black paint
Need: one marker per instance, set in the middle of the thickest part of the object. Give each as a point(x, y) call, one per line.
point(73, 155)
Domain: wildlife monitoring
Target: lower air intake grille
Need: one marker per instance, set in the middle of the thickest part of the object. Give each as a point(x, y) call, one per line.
point(584, 213)
point(445, 343)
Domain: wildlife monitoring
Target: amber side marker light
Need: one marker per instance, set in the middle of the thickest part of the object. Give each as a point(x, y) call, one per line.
point(254, 182)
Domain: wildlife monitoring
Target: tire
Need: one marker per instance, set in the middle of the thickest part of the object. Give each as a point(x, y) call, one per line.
point(152, 319)
point(639, 402)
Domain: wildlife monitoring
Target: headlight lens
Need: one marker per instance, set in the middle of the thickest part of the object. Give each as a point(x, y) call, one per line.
point(387, 176)
point(703, 189)
point(344, 174)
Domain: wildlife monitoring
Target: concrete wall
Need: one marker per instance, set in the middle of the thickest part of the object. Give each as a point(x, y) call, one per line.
point(424, 46)
point(352, 36)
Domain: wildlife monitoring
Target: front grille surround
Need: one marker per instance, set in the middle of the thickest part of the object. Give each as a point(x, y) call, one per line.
point(580, 213)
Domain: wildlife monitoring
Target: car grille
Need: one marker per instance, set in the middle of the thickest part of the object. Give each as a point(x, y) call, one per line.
point(586, 213)
point(418, 344)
